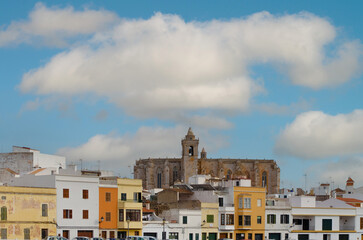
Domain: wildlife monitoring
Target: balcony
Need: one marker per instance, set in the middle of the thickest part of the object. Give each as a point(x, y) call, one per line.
point(129, 204)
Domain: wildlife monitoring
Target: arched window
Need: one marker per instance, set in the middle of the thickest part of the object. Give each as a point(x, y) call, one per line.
point(229, 174)
point(264, 179)
point(4, 214)
point(191, 151)
point(158, 184)
point(175, 174)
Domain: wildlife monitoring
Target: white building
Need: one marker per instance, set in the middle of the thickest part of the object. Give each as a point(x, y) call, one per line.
point(23, 160)
point(77, 200)
point(278, 218)
point(332, 219)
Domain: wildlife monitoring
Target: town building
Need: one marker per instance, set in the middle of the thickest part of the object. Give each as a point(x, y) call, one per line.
point(332, 219)
point(164, 172)
point(129, 207)
point(23, 160)
point(249, 211)
point(108, 201)
point(27, 212)
point(77, 200)
point(278, 218)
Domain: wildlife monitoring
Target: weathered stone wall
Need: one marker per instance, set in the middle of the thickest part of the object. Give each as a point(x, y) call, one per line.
point(18, 162)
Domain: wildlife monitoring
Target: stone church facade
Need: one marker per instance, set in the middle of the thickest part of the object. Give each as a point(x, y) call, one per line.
point(163, 172)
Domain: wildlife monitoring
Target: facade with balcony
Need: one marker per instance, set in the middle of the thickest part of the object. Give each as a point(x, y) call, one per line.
point(249, 212)
point(332, 219)
point(129, 207)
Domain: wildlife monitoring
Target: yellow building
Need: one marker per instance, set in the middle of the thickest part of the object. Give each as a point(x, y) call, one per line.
point(129, 207)
point(27, 212)
point(209, 224)
point(249, 205)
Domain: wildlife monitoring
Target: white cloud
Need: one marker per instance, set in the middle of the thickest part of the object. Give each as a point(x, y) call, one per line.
point(154, 66)
point(315, 134)
point(53, 26)
point(339, 171)
point(118, 152)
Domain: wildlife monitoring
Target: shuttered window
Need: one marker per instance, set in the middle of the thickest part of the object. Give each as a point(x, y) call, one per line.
point(85, 214)
point(44, 210)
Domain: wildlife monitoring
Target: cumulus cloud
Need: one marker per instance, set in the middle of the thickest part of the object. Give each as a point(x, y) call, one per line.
point(117, 152)
point(53, 26)
point(150, 67)
point(316, 135)
point(338, 171)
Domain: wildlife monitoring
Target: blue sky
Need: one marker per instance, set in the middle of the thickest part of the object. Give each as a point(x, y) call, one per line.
point(114, 81)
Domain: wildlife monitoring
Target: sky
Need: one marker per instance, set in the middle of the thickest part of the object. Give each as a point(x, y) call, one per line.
point(110, 82)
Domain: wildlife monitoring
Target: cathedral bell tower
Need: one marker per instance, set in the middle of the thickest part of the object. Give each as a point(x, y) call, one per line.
point(189, 155)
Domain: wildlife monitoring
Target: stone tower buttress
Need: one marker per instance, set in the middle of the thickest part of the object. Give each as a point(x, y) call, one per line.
point(189, 155)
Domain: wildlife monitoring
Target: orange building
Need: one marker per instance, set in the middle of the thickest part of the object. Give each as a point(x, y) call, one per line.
point(108, 207)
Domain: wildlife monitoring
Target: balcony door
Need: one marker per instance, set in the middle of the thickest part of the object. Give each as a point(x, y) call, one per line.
point(305, 223)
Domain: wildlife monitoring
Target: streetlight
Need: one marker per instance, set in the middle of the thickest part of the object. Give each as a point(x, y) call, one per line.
point(128, 227)
point(164, 233)
point(101, 220)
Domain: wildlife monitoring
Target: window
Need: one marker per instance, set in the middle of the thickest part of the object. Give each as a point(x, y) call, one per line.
point(104, 234)
point(137, 233)
point(326, 237)
point(250, 236)
point(259, 202)
point(264, 179)
point(327, 224)
point(210, 218)
point(67, 213)
point(343, 236)
point(66, 233)
point(247, 220)
point(44, 233)
point(4, 233)
point(120, 215)
point(223, 218)
point(297, 221)
point(220, 202)
point(133, 215)
point(284, 219)
point(230, 219)
point(26, 233)
point(137, 197)
point(158, 184)
point(175, 174)
point(4, 214)
point(185, 220)
point(197, 236)
point(85, 194)
point(247, 202)
point(44, 210)
point(108, 197)
point(240, 220)
point(271, 219)
point(123, 196)
point(108, 216)
point(240, 202)
point(85, 214)
point(361, 223)
point(259, 220)
point(65, 193)
point(190, 236)
point(112, 234)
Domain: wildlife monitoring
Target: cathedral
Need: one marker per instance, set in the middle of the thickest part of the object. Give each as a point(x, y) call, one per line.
point(163, 172)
